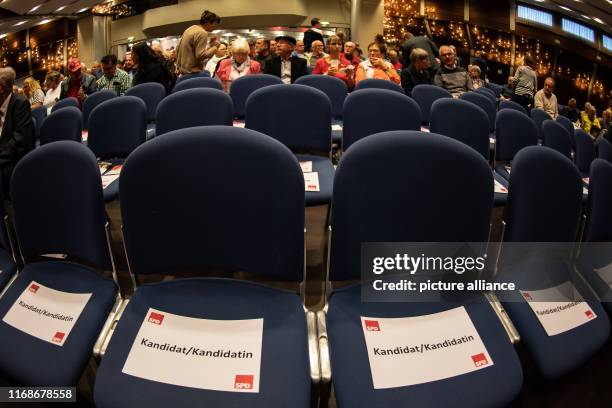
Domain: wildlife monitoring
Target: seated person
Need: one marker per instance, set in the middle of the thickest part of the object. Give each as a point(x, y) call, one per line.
point(376, 66)
point(451, 76)
point(316, 52)
point(546, 100)
point(282, 64)
point(508, 89)
point(589, 121)
point(394, 59)
point(335, 64)
point(571, 111)
point(32, 91)
point(78, 84)
point(417, 73)
point(474, 72)
point(239, 65)
point(52, 83)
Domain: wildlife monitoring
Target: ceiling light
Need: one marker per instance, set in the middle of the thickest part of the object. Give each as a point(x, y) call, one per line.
point(586, 17)
point(45, 21)
point(19, 23)
point(82, 10)
point(34, 8)
point(599, 20)
point(60, 9)
point(324, 23)
point(3, 35)
point(566, 8)
point(540, 1)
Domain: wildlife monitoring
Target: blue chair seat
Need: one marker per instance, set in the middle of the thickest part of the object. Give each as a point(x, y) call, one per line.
point(285, 379)
point(500, 169)
point(7, 268)
point(325, 168)
point(111, 192)
point(496, 385)
point(27, 360)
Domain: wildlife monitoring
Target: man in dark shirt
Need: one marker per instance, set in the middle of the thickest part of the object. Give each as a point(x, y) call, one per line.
point(423, 43)
point(283, 65)
point(570, 111)
point(417, 72)
point(313, 34)
point(78, 84)
point(262, 50)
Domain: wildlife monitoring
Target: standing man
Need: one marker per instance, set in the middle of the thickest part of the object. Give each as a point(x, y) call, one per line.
point(450, 76)
point(16, 127)
point(113, 78)
point(546, 100)
point(424, 43)
point(78, 84)
point(313, 34)
point(283, 65)
point(194, 48)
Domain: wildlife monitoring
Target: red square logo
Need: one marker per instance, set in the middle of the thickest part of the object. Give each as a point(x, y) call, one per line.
point(527, 296)
point(156, 318)
point(59, 337)
point(372, 325)
point(479, 360)
point(243, 382)
point(33, 288)
point(589, 314)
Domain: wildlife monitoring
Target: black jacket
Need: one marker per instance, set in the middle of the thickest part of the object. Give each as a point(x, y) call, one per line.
point(154, 72)
point(309, 37)
point(298, 67)
point(411, 78)
point(17, 137)
point(423, 43)
point(87, 81)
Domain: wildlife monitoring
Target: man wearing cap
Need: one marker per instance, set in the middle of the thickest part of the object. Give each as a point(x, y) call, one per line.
point(288, 68)
point(78, 84)
point(313, 34)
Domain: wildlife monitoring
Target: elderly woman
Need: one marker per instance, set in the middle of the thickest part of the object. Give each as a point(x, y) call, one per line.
point(335, 64)
point(32, 91)
point(417, 73)
point(589, 121)
point(52, 82)
point(238, 65)
point(376, 66)
point(474, 72)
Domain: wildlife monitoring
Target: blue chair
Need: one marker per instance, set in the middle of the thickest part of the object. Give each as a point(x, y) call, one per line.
point(64, 124)
point(425, 96)
point(62, 103)
point(463, 121)
point(200, 82)
point(585, 151)
point(541, 175)
point(151, 93)
point(539, 116)
point(490, 93)
point(65, 177)
point(364, 211)
point(94, 100)
point(371, 111)
point(378, 84)
point(486, 103)
point(568, 125)
point(496, 88)
point(193, 107)
point(273, 111)
point(116, 128)
point(511, 105)
point(603, 149)
point(244, 86)
point(39, 114)
point(556, 137)
point(203, 74)
point(8, 268)
point(334, 88)
point(514, 130)
point(227, 212)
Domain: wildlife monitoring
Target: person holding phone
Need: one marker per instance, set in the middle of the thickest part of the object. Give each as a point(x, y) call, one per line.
point(78, 84)
point(113, 78)
point(335, 64)
point(376, 66)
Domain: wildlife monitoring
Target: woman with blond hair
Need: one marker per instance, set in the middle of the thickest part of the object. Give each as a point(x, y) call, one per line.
point(334, 63)
point(32, 91)
point(54, 90)
point(238, 65)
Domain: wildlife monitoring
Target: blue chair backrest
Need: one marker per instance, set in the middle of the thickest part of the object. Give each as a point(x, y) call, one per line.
point(56, 189)
point(333, 87)
point(487, 91)
point(203, 74)
point(512, 105)
point(378, 84)
point(220, 214)
point(151, 93)
point(244, 86)
point(556, 137)
point(62, 103)
point(39, 114)
point(568, 125)
point(364, 211)
point(486, 103)
point(200, 82)
point(585, 150)
point(496, 88)
point(298, 116)
point(117, 126)
point(371, 111)
point(94, 100)
point(514, 130)
point(603, 149)
point(64, 124)
point(193, 107)
point(544, 197)
point(599, 224)
point(425, 96)
point(539, 116)
point(462, 121)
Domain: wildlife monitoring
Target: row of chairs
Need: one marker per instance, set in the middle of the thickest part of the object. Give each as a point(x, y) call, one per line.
point(228, 198)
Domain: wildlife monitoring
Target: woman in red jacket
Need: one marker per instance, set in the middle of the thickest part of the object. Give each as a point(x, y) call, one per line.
point(335, 63)
point(238, 65)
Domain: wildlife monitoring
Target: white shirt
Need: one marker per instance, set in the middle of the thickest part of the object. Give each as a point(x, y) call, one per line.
point(286, 71)
point(3, 110)
point(51, 97)
point(212, 64)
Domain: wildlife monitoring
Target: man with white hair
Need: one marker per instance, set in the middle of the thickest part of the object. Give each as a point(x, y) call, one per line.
point(16, 128)
point(450, 75)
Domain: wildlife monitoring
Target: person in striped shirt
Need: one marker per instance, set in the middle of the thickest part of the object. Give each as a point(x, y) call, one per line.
point(525, 83)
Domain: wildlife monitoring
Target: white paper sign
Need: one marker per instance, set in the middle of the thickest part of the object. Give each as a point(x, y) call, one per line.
point(559, 316)
point(84, 135)
point(415, 350)
point(221, 355)
point(108, 179)
point(238, 124)
point(114, 170)
point(46, 313)
point(499, 188)
point(306, 166)
point(311, 181)
point(336, 127)
point(424, 129)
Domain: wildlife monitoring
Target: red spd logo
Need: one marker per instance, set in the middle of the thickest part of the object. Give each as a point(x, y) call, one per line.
point(156, 318)
point(527, 296)
point(33, 288)
point(372, 325)
point(589, 314)
point(58, 337)
point(480, 360)
point(243, 382)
